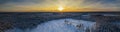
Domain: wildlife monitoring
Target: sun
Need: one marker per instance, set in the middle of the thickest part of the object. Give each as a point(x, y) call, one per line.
point(60, 8)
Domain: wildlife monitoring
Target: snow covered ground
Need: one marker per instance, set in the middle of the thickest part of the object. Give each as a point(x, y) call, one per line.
point(60, 25)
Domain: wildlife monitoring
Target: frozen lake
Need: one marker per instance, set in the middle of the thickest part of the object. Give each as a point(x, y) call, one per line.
point(60, 25)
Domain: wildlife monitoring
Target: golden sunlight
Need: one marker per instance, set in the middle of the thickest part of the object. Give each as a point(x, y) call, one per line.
point(60, 8)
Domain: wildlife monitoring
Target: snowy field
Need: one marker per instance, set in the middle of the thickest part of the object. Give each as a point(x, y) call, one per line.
point(60, 25)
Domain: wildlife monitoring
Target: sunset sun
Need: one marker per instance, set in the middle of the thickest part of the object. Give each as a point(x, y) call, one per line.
point(60, 8)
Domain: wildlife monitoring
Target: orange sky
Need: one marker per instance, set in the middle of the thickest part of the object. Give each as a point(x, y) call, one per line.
point(59, 6)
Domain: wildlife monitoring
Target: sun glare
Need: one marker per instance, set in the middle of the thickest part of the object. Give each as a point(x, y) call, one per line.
point(60, 8)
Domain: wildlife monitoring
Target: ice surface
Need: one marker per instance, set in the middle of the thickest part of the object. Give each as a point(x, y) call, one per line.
point(60, 25)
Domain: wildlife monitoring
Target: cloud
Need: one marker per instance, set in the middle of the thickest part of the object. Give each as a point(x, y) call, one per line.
point(27, 4)
point(104, 3)
point(17, 3)
point(4, 1)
